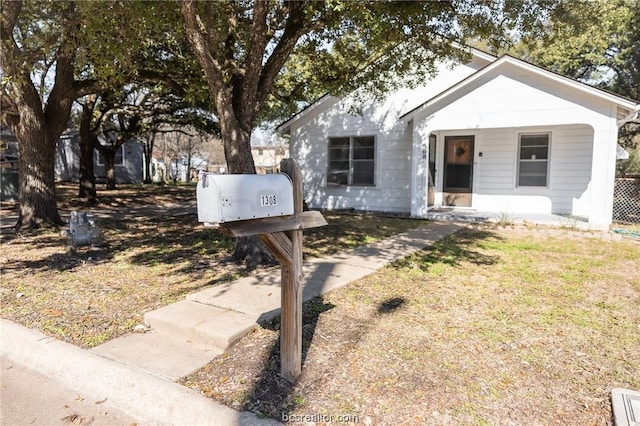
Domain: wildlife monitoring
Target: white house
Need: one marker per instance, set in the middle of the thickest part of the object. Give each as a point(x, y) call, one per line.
point(495, 135)
point(267, 157)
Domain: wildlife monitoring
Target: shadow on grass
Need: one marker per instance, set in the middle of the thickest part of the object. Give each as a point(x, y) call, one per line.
point(272, 394)
point(141, 225)
point(178, 242)
point(274, 397)
point(451, 250)
point(391, 305)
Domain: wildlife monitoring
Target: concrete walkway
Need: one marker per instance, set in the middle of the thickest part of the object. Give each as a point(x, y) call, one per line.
point(136, 374)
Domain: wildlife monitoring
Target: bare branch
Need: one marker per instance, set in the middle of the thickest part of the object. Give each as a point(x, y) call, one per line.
point(10, 12)
point(197, 34)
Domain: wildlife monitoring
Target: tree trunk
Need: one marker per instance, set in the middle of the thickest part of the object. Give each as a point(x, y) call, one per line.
point(110, 169)
point(88, 141)
point(236, 140)
point(252, 252)
point(176, 163)
point(38, 132)
point(237, 149)
point(238, 100)
point(37, 182)
point(148, 152)
point(37, 123)
point(108, 154)
point(87, 175)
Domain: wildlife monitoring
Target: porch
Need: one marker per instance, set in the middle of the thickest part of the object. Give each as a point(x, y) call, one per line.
point(479, 216)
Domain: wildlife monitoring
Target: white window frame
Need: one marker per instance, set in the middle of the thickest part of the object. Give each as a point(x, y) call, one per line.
point(520, 160)
point(352, 160)
point(99, 161)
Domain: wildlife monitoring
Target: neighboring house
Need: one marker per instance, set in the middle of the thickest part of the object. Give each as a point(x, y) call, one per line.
point(186, 169)
point(267, 158)
point(495, 135)
point(129, 161)
point(158, 168)
point(8, 164)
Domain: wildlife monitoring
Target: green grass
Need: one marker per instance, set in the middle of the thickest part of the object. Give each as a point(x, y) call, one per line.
point(489, 326)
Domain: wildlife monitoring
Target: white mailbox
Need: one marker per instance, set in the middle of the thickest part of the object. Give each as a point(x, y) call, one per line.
point(227, 198)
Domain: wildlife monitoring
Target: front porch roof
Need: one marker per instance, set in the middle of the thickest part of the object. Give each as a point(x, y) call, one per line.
point(629, 106)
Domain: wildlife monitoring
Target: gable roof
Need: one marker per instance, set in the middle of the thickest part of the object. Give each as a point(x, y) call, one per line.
point(326, 98)
point(507, 60)
point(282, 128)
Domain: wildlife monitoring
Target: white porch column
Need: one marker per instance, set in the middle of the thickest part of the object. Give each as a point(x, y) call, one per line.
point(419, 169)
point(603, 170)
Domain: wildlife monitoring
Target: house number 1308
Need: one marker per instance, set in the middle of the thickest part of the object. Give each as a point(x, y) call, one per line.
point(268, 200)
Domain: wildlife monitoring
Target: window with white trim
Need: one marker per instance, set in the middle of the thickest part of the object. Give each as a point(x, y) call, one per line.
point(533, 160)
point(118, 159)
point(351, 161)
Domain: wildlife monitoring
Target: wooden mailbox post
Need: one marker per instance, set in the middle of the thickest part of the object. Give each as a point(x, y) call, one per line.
point(282, 235)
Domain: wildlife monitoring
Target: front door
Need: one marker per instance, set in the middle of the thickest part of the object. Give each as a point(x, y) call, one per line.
point(431, 191)
point(458, 170)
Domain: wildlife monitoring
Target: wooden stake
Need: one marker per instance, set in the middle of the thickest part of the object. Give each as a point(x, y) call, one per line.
point(283, 237)
point(291, 319)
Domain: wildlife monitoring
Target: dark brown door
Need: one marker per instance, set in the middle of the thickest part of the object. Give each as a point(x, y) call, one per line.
point(458, 170)
point(431, 191)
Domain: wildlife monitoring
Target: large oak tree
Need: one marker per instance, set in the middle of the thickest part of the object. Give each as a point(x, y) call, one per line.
point(53, 53)
point(260, 59)
point(259, 55)
point(35, 47)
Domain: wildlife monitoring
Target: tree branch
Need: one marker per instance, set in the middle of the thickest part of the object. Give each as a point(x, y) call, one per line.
point(294, 29)
point(248, 83)
point(196, 33)
point(8, 47)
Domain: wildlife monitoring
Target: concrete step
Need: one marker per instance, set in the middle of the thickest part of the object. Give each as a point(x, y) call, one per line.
point(252, 296)
point(157, 353)
point(201, 325)
point(184, 336)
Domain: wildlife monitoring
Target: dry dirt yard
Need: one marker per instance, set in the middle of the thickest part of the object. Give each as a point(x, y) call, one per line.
point(153, 252)
point(501, 326)
point(492, 326)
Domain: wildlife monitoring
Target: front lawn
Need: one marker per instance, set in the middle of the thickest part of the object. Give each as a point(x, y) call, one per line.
point(147, 260)
point(489, 327)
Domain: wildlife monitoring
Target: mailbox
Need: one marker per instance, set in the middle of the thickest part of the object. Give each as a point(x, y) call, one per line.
point(227, 198)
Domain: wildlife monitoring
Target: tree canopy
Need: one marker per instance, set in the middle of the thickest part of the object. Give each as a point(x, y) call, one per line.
point(597, 42)
point(53, 53)
point(260, 60)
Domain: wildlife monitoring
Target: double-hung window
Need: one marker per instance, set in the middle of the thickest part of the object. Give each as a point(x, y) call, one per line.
point(351, 161)
point(533, 160)
point(118, 159)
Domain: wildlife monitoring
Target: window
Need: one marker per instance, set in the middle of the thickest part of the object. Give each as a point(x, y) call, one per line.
point(118, 160)
point(533, 160)
point(351, 161)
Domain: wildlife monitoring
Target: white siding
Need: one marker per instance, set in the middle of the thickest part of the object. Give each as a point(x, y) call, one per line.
point(499, 107)
point(494, 184)
point(512, 100)
point(392, 191)
point(495, 108)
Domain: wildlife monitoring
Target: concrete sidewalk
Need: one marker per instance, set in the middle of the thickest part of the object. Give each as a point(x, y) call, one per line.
point(136, 374)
